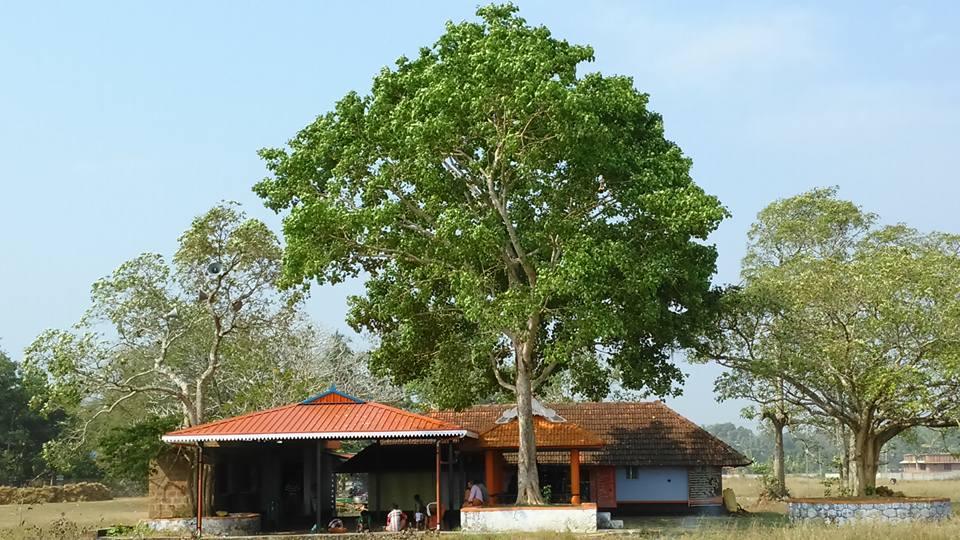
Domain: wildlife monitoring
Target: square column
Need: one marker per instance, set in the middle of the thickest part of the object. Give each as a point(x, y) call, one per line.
point(575, 476)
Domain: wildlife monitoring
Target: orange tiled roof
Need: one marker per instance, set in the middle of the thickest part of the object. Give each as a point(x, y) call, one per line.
point(648, 433)
point(557, 435)
point(330, 415)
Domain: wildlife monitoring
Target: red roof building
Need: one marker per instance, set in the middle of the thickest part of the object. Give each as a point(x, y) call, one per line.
point(282, 462)
point(331, 415)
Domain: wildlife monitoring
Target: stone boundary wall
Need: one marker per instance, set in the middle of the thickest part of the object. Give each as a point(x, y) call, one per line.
point(577, 519)
point(842, 511)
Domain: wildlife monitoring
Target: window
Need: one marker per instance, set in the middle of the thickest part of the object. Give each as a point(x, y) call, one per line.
point(633, 473)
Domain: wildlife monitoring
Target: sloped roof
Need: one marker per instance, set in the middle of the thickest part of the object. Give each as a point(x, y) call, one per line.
point(330, 415)
point(930, 458)
point(558, 435)
point(647, 433)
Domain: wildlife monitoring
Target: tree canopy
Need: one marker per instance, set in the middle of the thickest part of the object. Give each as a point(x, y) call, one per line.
point(514, 219)
point(22, 430)
point(860, 322)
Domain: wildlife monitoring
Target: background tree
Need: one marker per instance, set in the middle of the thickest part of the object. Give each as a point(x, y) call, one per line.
point(22, 431)
point(160, 331)
point(159, 338)
point(860, 322)
point(770, 406)
point(516, 220)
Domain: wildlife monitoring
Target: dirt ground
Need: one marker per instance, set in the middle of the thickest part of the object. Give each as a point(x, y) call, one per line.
point(89, 515)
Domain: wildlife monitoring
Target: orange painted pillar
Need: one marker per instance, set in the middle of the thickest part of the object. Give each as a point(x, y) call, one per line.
point(575, 476)
point(490, 475)
point(439, 516)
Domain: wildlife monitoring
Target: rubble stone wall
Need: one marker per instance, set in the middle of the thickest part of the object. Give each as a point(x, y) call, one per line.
point(887, 510)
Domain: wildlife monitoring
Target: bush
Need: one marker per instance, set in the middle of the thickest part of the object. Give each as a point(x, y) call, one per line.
point(85, 491)
point(884, 491)
point(770, 488)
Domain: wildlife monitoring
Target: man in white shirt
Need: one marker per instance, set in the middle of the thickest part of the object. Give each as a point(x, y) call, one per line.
point(396, 519)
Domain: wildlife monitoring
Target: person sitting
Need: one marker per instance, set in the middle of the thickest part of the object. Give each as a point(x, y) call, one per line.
point(474, 494)
point(336, 526)
point(396, 519)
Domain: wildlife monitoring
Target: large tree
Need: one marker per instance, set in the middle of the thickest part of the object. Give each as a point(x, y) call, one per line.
point(160, 333)
point(856, 322)
point(515, 219)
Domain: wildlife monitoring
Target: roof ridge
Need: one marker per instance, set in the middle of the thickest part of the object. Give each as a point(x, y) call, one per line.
point(701, 429)
point(233, 418)
point(415, 415)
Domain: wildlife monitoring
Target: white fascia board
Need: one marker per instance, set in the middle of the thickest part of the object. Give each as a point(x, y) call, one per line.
point(173, 439)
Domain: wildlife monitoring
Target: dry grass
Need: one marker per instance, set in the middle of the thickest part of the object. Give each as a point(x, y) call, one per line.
point(913, 531)
point(86, 515)
point(767, 522)
point(748, 490)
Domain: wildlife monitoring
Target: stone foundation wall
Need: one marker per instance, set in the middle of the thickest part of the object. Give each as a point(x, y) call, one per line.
point(892, 510)
point(577, 519)
point(170, 479)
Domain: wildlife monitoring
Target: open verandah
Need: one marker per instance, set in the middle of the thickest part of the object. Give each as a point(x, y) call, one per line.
point(282, 463)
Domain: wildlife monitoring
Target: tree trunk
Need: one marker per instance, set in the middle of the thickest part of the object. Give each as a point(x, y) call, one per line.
point(843, 444)
point(779, 472)
point(864, 461)
point(528, 479)
point(208, 466)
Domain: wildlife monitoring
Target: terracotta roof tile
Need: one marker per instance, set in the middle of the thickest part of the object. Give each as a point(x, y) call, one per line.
point(549, 434)
point(648, 433)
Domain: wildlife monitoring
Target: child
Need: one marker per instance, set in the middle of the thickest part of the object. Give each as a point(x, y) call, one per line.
point(419, 513)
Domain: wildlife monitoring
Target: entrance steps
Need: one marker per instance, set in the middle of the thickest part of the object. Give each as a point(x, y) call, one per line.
point(604, 521)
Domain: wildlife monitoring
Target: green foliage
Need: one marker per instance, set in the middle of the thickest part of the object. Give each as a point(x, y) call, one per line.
point(172, 327)
point(547, 493)
point(140, 530)
point(770, 488)
point(22, 431)
point(510, 213)
point(833, 487)
point(124, 452)
point(855, 322)
point(166, 343)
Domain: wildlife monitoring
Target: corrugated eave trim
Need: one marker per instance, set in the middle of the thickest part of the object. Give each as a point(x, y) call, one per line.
point(317, 436)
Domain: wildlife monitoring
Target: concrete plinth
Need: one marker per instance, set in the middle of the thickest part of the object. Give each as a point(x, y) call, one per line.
point(574, 518)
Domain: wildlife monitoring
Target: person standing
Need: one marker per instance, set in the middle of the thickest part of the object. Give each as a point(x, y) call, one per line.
point(419, 513)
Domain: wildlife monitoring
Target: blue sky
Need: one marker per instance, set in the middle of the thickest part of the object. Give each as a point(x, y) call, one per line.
point(120, 121)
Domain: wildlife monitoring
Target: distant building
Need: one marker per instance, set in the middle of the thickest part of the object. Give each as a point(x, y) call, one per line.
point(931, 465)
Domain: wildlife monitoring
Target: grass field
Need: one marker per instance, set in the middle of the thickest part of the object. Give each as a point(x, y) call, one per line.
point(56, 521)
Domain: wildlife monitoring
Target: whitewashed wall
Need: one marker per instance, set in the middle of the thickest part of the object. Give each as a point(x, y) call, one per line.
point(579, 519)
